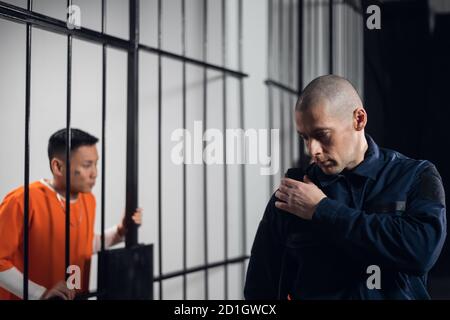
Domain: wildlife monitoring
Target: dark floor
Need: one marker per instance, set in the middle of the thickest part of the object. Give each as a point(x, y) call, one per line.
point(439, 287)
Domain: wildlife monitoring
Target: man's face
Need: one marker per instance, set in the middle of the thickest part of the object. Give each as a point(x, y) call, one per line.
point(330, 140)
point(83, 168)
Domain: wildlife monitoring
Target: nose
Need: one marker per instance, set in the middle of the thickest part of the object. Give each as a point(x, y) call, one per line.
point(94, 173)
point(314, 147)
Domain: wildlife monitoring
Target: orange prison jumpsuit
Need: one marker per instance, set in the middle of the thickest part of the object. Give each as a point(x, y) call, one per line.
point(46, 235)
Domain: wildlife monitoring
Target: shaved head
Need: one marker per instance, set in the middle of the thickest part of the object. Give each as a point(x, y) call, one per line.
point(337, 93)
point(330, 119)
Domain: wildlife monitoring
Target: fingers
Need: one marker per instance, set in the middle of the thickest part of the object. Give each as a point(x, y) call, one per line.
point(282, 196)
point(137, 216)
point(290, 183)
point(60, 291)
point(282, 205)
point(306, 179)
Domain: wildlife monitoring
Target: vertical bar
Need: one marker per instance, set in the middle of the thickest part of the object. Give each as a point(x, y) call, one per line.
point(242, 125)
point(159, 151)
point(330, 35)
point(26, 210)
point(300, 67)
point(132, 127)
point(291, 81)
point(68, 145)
point(281, 79)
point(205, 118)
point(183, 44)
point(224, 124)
point(102, 237)
point(270, 75)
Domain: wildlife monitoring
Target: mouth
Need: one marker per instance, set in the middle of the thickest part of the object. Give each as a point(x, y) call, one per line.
point(326, 163)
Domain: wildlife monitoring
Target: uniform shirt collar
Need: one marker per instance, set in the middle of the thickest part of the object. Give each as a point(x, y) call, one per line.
point(368, 168)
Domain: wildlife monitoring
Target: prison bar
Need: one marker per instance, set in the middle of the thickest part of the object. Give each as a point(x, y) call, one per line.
point(281, 79)
point(103, 186)
point(160, 266)
point(300, 20)
point(183, 49)
point(242, 120)
point(21, 15)
point(68, 145)
point(205, 171)
point(26, 210)
point(132, 175)
point(224, 125)
point(290, 74)
point(175, 274)
point(330, 36)
point(200, 63)
point(270, 74)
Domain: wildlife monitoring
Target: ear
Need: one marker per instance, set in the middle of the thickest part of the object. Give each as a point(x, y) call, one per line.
point(57, 166)
point(359, 119)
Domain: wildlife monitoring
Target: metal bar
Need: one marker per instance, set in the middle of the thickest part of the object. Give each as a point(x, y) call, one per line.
point(102, 236)
point(131, 238)
point(44, 22)
point(160, 149)
point(205, 120)
point(68, 145)
point(330, 35)
point(233, 73)
point(200, 268)
point(300, 66)
point(21, 15)
point(224, 125)
point(291, 79)
point(242, 125)
point(281, 79)
point(270, 72)
point(270, 75)
point(183, 45)
point(26, 205)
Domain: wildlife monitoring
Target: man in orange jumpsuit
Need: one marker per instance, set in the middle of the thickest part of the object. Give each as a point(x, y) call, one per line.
point(47, 224)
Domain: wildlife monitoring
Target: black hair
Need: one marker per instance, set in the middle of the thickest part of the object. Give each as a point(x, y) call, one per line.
point(57, 142)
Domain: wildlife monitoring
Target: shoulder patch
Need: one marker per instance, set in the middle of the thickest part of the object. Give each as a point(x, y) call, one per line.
point(431, 186)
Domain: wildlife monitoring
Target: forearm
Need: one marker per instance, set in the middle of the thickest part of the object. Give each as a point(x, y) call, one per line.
point(112, 237)
point(410, 241)
point(12, 281)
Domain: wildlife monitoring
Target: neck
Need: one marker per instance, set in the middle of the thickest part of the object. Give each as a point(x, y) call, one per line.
point(360, 152)
point(61, 190)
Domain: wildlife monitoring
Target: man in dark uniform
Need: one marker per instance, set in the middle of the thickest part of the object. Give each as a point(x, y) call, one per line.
point(361, 222)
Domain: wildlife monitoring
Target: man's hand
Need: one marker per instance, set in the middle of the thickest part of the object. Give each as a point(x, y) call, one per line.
point(59, 291)
point(299, 198)
point(137, 219)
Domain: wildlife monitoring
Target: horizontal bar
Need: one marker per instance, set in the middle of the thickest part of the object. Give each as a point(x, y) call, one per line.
point(200, 63)
point(281, 86)
point(44, 22)
point(200, 268)
point(41, 21)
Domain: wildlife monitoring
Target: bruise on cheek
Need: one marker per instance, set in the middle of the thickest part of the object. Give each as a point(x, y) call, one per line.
point(77, 172)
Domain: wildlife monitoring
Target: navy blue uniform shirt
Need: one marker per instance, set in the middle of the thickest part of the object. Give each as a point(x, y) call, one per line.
point(387, 213)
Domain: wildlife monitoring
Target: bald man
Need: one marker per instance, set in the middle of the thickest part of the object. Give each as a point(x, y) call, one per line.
point(361, 222)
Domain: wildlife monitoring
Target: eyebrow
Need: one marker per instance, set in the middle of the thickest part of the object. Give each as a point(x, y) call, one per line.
point(316, 130)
